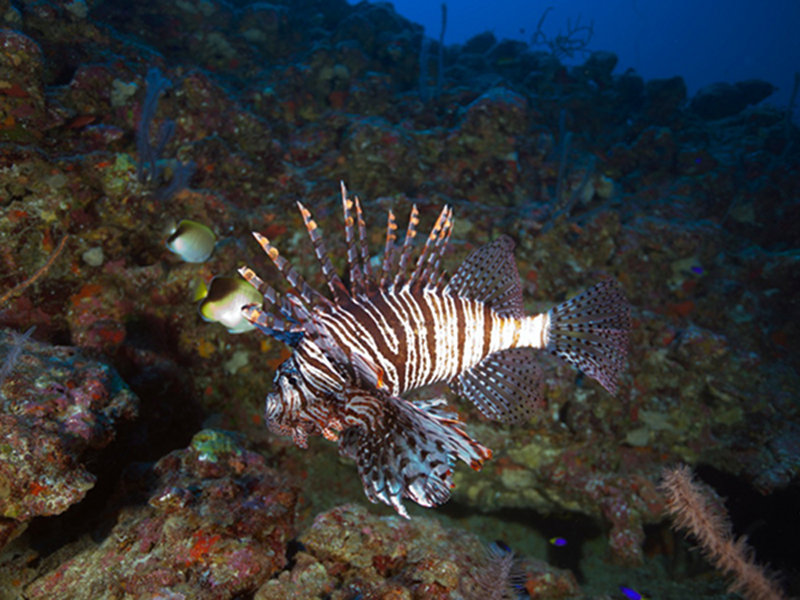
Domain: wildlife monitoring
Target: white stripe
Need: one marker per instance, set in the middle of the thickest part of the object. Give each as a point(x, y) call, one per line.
point(390, 336)
point(404, 328)
point(534, 331)
point(473, 338)
point(321, 379)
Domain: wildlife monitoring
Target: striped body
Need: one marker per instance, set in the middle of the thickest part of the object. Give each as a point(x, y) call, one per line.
point(358, 352)
point(423, 336)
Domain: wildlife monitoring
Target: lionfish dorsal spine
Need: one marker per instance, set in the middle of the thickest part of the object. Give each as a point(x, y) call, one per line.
point(286, 330)
point(405, 253)
point(267, 291)
point(335, 284)
point(364, 246)
point(357, 283)
point(284, 327)
point(267, 322)
point(388, 250)
point(437, 275)
point(307, 293)
point(422, 259)
point(438, 239)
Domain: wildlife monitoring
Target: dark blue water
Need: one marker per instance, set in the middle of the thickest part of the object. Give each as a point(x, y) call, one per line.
point(704, 41)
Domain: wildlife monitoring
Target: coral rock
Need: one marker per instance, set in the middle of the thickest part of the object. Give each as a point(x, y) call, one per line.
point(58, 410)
point(216, 526)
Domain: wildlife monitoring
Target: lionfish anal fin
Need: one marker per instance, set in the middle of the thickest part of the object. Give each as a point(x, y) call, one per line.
point(505, 386)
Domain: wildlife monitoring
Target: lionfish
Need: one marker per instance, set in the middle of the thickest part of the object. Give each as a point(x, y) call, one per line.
point(355, 354)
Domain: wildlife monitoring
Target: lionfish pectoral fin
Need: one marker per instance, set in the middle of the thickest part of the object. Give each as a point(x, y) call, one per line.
point(367, 370)
point(591, 331)
point(410, 453)
point(505, 386)
point(489, 274)
point(272, 325)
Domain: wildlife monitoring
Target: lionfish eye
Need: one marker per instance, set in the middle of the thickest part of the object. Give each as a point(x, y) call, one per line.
point(291, 380)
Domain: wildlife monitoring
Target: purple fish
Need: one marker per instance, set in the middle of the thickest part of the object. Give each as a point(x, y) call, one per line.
point(631, 593)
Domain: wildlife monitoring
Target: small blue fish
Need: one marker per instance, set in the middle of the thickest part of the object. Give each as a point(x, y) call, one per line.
point(558, 541)
point(631, 593)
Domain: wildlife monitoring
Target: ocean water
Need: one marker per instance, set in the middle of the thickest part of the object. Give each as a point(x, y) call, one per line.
point(703, 41)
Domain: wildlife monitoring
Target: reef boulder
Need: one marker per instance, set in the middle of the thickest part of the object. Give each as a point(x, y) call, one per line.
point(216, 525)
point(58, 409)
point(720, 100)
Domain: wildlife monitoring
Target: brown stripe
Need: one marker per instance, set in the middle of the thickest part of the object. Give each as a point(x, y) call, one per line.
point(461, 320)
point(487, 328)
point(429, 323)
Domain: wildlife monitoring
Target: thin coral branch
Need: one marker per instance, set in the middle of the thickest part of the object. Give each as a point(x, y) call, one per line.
point(148, 170)
point(14, 352)
point(499, 577)
point(564, 45)
point(18, 289)
point(693, 509)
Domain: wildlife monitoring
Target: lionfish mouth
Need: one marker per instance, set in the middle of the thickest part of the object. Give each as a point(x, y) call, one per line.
point(272, 410)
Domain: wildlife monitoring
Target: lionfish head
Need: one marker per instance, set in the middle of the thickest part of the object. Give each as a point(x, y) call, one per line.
point(285, 407)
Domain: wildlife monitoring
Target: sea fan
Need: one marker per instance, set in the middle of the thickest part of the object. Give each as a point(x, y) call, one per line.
point(696, 509)
point(18, 340)
point(500, 577)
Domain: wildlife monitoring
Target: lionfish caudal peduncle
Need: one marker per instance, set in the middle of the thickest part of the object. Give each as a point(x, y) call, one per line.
point(358, 352)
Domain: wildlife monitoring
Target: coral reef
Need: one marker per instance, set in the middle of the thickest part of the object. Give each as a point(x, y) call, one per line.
point(59, 409)
point(215, 524)
point(347, 552)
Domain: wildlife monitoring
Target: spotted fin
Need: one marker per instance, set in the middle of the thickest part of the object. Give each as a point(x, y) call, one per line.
point(408, 451)
point(490, 275)
point(505, 386)
point(591, 331)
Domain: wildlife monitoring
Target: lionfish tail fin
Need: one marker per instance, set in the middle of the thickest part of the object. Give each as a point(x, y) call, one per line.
point(591, 331)
point(410, 453)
